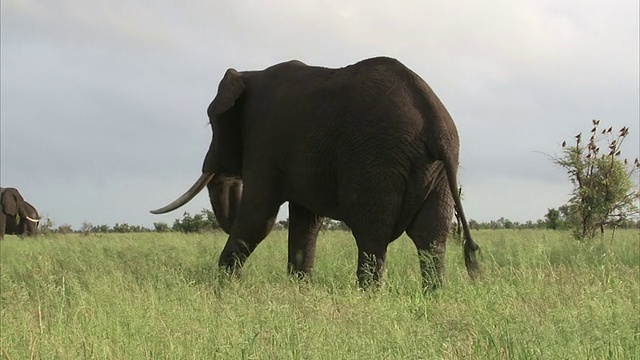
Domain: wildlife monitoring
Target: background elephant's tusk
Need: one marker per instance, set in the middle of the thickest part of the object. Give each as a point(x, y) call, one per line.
point(187, 196)
point(32, 220)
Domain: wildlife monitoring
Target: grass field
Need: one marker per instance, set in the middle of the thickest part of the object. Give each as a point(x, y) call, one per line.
point(159, 296)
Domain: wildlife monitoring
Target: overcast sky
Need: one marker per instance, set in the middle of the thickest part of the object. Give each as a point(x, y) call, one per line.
point(103, 103)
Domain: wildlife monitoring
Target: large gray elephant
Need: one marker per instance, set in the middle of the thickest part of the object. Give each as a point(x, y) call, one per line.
point(369, 144)
point(17, 216)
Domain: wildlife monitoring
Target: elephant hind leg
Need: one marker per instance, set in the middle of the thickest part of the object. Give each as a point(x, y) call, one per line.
point(304, 226)
point(372, 253)
point(429, 231)
point(371, 265)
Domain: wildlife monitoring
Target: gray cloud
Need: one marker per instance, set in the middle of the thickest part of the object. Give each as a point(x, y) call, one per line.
point(103, 103)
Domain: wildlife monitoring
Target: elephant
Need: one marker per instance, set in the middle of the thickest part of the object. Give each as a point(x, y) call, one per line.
point(369, 144)
point(18, 217)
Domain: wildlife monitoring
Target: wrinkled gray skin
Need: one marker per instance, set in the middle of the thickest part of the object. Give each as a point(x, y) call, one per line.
point(369, 144)
point(17, 216)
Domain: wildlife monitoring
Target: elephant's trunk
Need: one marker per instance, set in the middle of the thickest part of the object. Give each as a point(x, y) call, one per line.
point(187, 196)
point(225, 194)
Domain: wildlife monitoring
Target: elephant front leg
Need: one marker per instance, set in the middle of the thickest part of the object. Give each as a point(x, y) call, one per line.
point(234, 255)
point(304, 226)
point(3, 224)
point(253, 223)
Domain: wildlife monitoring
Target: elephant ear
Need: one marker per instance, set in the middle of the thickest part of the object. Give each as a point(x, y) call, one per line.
point(230, 88)
point(10, 200)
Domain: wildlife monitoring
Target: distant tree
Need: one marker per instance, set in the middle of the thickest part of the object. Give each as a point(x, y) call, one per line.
point(100, 229)
point(340, 225)
point(202, 222)
point(138, 229)
point(161, 227)
point(46, 226)
point(553, 219)
point(86, 227)
point(283, 224)
point(187, 223)
point(605, 189)
point(565, 214)
point(507, 224)
point(630, 224)
point(504, 223)
point(210, 219)
point(64, 229)
point(327, 224)
point(122, 228)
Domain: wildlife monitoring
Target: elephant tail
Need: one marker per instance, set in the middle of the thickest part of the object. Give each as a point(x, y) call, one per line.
point(470, 247)
point(441, 138)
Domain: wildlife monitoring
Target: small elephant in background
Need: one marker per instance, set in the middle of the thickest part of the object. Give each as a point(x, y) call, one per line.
point(17, 216)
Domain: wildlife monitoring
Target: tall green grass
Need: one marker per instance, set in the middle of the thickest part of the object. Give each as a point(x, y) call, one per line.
point(159, 296)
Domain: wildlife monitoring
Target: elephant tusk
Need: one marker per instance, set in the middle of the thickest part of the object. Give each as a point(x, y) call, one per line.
point(187, 196)
point(32, 220)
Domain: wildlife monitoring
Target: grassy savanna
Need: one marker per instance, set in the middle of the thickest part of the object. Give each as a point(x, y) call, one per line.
point(543, 295)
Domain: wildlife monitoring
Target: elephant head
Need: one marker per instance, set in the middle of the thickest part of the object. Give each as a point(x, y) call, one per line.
point(369, 144)
point(225, 192)
point(17, 216)
point(31, 221)
point(222, 168)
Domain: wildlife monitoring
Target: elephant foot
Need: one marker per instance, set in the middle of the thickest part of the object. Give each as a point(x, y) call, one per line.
point(370, 271)
point(432, 268)
point(429, 286)
point(303, 274)
point(233, 257)
point(231, 270)
point(368, 284)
